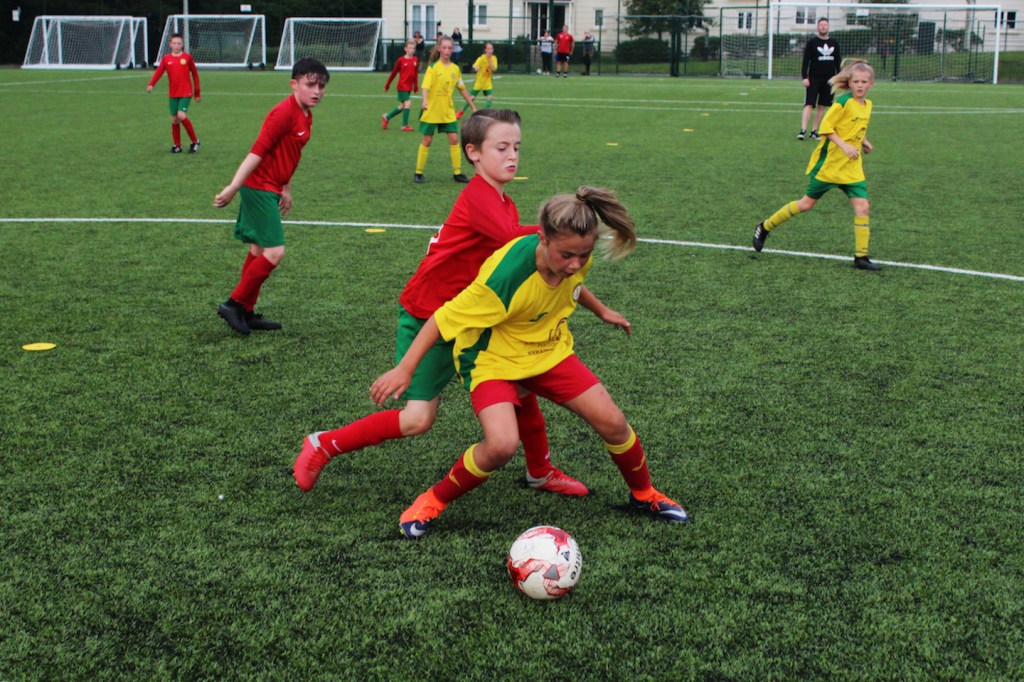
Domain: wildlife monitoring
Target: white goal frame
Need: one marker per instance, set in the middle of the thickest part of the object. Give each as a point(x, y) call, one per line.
point(196, 41)
point(827, 9)
point(339, 57)
point(47, 50)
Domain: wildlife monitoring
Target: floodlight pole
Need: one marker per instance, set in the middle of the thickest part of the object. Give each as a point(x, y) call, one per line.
point(184, 32)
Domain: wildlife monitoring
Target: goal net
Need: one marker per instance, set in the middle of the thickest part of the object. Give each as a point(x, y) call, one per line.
point(219, 40)
point(901, 41)
point(84, 42)
point(341, 44)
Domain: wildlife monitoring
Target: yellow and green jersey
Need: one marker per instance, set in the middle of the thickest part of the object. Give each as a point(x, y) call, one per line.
point(440, 82)
point(509, 323)
point(484, 72)
point(848, 119)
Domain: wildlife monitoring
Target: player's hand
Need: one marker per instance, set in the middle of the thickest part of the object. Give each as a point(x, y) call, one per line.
point(867, 147)
point(284, 204)
point(386, 88)
point(612, 317)
point(806, 82)
point(852, 153)
point(149, 88)
point(198, 98)
point(391, 384)
point(224, 197)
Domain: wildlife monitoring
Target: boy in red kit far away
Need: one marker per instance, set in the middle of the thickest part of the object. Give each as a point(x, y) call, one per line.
point(406, 68)
point(564, 42)
point(264, 180)
point(181, 74)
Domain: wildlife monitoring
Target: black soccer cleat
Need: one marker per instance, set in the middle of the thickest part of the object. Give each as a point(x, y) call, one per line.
point(815, 135)
point(864, 263)
point(194, 147)
point(760, 234)
point(418, 178)
point(460, 178)
point(801, 134)
point(175, 149)
point(234, 314)
point(258, 323)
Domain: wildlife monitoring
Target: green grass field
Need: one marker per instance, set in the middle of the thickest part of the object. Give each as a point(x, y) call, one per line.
point(849, 444)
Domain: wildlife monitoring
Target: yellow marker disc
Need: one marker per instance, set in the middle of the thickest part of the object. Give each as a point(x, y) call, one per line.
point(705, 114)
point(39, 346)
point(520, 177)
point(375, 230)
point(613, 144)
point(687, 130)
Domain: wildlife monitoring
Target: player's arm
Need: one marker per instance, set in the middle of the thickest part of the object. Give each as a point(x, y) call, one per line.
point(246, 168)
point(156, 76)
point(868, 147)
point(393, 383)
point(284, 204)
point(848, 149)
point(592, 303)
point(195, 77)
point(398, 65)
point(466, 96)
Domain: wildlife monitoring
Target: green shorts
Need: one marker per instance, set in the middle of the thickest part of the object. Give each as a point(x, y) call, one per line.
point(259, 218)
point(436, 369)
point(816, 189)
point(404, 95)
point(432, 128)
point(176, 104)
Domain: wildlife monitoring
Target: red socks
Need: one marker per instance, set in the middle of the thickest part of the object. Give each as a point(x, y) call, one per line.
point(371, 430)
point(254, 274)
point(462, 478)
point(188, 129)
point(176, 134)
point(533, 433)
point(632, 462)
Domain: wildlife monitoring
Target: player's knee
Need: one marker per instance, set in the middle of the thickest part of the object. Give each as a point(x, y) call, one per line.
point(500, 449)
point(182, 116)
point(416, 422)
point(806, 204)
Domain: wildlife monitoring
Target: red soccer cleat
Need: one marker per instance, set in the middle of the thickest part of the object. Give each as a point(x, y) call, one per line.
point(310, 462)
point(384, 121)
point(559, 482)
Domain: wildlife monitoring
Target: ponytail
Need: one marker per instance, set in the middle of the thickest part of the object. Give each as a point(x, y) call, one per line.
point(591, 209)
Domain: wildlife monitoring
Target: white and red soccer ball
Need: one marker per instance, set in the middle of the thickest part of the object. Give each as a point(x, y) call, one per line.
point(544, 563)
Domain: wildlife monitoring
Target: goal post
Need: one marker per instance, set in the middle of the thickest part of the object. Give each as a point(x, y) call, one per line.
point(341, 44)
point(219, 40)
point(87, 42)
point(901, 41)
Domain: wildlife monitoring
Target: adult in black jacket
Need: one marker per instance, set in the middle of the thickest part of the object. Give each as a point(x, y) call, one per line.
point(821, 62)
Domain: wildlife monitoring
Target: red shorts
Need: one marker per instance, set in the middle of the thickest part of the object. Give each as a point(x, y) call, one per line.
point(563, 382)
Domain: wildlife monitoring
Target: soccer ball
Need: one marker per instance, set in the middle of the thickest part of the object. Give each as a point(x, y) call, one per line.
point(539, 72)
point(544, 563)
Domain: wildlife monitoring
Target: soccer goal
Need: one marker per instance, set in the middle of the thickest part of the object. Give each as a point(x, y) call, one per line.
point(901, 41)
point(85, 42)
point(220, 40)
point(341, 44)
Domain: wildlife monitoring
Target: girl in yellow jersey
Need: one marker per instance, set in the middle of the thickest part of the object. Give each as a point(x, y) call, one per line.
point(512, 338)
point(439, 84)
point(837, 160)
point(485, 66)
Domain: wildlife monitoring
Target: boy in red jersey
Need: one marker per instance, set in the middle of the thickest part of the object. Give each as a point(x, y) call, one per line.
point(483, 219)
point(406, 68)
point(563, 45)
point(265, 181)
point(179, 66)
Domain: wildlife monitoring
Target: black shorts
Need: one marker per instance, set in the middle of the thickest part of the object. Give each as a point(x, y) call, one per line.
point(563, 57)
point(818, 92)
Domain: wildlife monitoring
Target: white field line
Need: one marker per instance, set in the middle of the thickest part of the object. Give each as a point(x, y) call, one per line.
point(668, 242)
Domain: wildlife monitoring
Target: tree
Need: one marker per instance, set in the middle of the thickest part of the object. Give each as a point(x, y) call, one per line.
point(655, 16)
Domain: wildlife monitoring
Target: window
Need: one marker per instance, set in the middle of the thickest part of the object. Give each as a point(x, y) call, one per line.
point(481, 15)
point(805, 16)
point(746, 20)
point(1008, 19)
point(599, 18)
point(424, 20)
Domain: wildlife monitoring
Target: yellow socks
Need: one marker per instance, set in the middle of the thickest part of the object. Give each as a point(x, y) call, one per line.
point(421, 159)
point(456, 152)
point(781, 216)
point(861, 235)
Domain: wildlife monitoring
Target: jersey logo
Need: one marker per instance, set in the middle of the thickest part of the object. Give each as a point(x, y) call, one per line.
point(826, 53)
point(183, 62)
point(538, 317)
point(301, 133)
point(576, 292)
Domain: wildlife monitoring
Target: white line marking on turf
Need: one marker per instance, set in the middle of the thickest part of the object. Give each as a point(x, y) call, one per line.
point(669, 242)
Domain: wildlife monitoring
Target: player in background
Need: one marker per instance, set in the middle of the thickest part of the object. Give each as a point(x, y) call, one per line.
point(837, 161)
point(181, 75)
point(588, 51)
point(482, 220)
point(547, 46)
point(439, 84)
point(485, 66)
point(821, 62)
point(264, 180)
point(564, 43)
point(512, 337)
point(407, 69)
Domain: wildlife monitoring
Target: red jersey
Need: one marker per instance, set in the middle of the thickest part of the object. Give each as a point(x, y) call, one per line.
point(178, 69)
point(565, 42)
point(407, 68)
point(285, 132)
point(481, 222)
